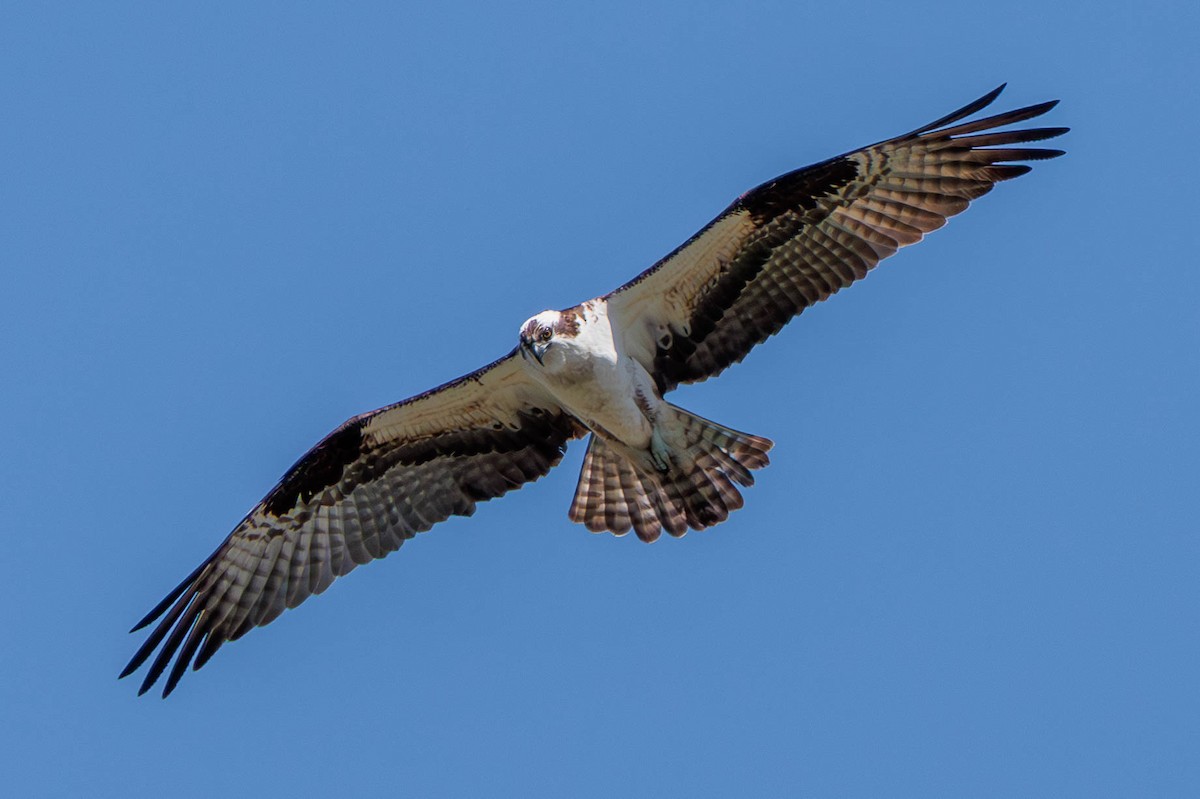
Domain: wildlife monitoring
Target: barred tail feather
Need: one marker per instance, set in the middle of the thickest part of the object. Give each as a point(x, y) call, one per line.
point(620, 490)
point(614, 496)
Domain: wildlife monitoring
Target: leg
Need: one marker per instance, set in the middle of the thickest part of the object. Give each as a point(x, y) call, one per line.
point(660, 453)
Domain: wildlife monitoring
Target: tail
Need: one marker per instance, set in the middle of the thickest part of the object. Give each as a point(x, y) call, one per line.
point(620, 489)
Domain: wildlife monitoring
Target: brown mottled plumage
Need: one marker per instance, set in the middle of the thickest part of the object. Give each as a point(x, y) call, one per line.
point(601, 367)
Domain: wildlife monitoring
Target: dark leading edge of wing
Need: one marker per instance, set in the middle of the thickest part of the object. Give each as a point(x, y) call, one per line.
point(354, 497)
point(381, 478)
point(813, 231)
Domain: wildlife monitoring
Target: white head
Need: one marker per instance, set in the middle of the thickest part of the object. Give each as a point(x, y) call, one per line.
point(541, 334)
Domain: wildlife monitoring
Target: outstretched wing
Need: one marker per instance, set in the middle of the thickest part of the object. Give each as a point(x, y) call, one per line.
point(371, 484)
point(797, 239)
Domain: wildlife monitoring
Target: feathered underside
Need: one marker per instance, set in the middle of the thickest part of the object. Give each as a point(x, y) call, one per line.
point(798, 239)
point(619, 490)
point(373, 483)
point(383, 477)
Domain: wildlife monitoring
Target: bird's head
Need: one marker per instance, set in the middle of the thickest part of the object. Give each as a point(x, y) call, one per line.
point(537, 335)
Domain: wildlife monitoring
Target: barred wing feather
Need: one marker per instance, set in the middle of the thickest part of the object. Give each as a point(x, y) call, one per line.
point(798, 239)
point(370, 485)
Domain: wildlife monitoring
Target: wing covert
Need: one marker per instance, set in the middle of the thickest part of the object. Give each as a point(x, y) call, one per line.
point(371, 484)
point(800, 238)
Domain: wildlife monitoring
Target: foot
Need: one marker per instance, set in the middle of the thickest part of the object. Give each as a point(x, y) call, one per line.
point(660, 453)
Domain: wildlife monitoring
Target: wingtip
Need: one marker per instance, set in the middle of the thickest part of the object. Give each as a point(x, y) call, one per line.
point(149, 683)
point(1041, 108)
point(984, 101)
point(967, 110)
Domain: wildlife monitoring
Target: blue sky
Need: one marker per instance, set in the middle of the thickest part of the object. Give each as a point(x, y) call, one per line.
point(972, 568)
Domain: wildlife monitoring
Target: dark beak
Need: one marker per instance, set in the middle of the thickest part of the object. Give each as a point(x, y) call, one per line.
point(529, 348)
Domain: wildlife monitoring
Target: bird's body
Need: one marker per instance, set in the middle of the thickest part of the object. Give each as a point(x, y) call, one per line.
point(584, 365)
point(651, 465)
point(602, 369)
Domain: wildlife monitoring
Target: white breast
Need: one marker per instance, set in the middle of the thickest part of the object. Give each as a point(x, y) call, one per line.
point(593, 378)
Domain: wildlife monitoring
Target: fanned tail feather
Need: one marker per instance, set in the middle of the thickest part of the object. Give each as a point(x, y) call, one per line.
point(620, 490)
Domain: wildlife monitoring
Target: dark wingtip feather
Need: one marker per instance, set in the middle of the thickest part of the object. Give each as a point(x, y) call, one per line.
point(989, 138)
point(150, 644)
point(1018, 153)
point(176, 592)
point(1035, 110)
point(996, 121)
point(1029, 111)
point(130, 668)
point(161, 607)
point(173, 605)
point(965, 111)
point(183, 658)
point(209, 648)
point(158, 666)
point(1009, 171)
point(1043, 154)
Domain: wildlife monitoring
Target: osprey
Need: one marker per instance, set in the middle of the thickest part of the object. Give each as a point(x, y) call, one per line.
point(601, 369)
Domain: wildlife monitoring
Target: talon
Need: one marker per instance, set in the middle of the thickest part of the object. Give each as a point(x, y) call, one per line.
point(659, 452)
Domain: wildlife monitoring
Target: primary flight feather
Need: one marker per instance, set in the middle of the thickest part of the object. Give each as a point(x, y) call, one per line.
point(599, 368)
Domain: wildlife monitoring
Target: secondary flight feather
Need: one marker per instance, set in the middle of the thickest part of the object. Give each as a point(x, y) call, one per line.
point(599, 369)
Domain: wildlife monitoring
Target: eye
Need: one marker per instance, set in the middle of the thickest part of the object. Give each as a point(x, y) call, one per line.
point(544, 334)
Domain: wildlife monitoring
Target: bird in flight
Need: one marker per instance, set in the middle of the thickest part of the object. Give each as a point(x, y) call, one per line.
point(600, 369)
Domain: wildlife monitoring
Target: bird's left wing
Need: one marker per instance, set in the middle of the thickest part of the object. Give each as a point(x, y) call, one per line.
point(376, 481)
point(796, 240)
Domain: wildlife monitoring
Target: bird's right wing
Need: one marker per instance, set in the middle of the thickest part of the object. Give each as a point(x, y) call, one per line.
point(376, 481)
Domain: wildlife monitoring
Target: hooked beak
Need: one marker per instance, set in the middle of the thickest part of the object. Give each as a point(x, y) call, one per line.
point(529, 347)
